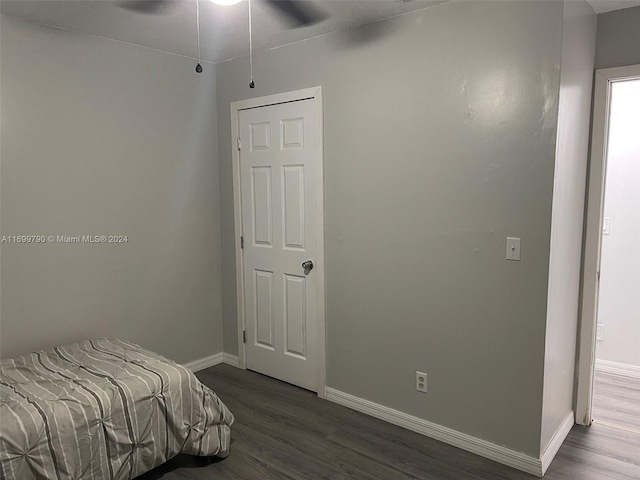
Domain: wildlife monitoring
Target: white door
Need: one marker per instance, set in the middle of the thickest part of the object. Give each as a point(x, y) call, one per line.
point(279, 206)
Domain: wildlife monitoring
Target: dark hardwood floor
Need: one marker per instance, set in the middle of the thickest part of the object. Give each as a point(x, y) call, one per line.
point(284, 432)
point(616, 401)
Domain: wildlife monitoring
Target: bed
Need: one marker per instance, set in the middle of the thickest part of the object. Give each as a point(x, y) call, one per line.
point(103, 409)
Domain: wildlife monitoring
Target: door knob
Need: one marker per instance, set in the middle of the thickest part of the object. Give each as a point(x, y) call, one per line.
point(308, 265)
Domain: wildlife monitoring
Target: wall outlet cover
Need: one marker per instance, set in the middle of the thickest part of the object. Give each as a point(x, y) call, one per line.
point(421, 382)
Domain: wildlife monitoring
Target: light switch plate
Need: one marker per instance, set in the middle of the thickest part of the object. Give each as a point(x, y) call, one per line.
point(600, 332)
point(513, 248)
point(606, 225)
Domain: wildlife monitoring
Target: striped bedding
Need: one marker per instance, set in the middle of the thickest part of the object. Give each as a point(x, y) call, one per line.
point(103, 409)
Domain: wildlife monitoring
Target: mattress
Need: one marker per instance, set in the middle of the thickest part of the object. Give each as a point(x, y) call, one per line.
point(103, 409)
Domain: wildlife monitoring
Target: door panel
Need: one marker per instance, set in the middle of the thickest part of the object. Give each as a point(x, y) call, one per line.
point(277, 175)
point(261, 202)
point(295, 316)
point(263, 308)
point(293, 202)
point(260, 138)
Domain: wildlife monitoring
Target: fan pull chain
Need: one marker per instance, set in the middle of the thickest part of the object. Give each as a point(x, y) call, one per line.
point(251, 84)
point(198, 66)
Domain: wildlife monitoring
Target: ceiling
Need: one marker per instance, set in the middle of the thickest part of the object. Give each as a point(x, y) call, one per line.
point(602, 6)
point(223, 29)
point(224, 32)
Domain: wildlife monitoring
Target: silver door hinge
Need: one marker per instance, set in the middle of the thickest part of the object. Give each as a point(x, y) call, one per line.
point(239, 143)
point(597, 276)
point(244, 336)
point(242, 242)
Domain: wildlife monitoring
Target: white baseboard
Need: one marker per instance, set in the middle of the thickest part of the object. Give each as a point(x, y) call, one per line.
point(206, 362)
point(500, 454)
point(213, 360)
point(616, 368)
point(556, 441)
point(230, 360)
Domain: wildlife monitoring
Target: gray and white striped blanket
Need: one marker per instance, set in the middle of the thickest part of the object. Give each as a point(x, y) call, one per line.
point(103, 409)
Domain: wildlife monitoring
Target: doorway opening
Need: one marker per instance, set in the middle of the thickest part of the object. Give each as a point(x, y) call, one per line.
point(609, 358)
point(616, 399)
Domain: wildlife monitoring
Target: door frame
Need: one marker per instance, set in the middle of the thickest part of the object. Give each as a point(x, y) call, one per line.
point(315, 94)
point(604, 79)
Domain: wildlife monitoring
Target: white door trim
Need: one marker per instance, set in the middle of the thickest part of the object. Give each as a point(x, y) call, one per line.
point(315, 94)
point(591, 260)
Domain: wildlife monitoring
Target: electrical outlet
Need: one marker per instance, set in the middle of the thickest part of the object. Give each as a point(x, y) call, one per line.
point(421, 382)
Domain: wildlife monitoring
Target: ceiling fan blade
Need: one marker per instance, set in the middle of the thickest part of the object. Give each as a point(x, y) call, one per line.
point(153, 7)
point(298, 13)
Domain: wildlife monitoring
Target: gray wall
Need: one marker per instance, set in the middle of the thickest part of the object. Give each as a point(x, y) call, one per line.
point(100, 137)
point(578, 50)
point(618, 41)
point(618, 299)
point(439, 143)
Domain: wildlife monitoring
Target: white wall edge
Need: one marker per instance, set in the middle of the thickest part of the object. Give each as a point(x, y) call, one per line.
point(556, 441)
point(206, 362)
point(497, 453)
point(615, 368)
point(232, 360)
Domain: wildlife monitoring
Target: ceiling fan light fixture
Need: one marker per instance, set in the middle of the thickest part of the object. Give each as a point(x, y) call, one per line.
point(226, 2)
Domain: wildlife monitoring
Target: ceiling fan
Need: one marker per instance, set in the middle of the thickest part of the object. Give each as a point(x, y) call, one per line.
point(295, 13)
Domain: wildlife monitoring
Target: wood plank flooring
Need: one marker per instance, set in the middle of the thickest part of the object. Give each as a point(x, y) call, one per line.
point(286, 433)
point(616, 401)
